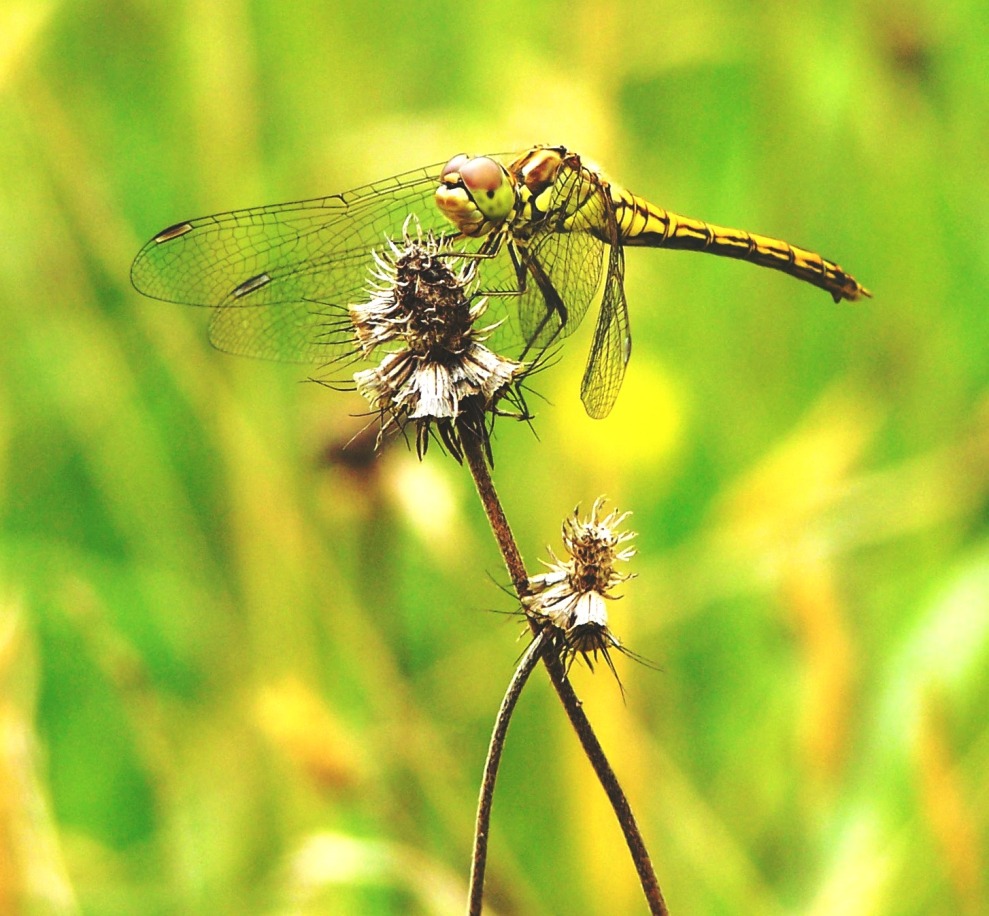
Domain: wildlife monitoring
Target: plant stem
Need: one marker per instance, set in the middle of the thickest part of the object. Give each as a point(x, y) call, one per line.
point(610, 784)
point(474, 453)
point(486, 798)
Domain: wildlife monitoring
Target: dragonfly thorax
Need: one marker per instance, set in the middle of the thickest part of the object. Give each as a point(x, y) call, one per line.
point(536, 175)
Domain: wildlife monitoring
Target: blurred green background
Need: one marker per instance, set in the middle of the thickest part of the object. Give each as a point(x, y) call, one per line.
point(244, 671)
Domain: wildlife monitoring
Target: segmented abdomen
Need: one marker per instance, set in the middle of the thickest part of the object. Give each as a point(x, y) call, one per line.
point(643, 223)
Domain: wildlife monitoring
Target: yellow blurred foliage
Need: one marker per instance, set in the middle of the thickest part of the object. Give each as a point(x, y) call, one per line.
point(301, 725)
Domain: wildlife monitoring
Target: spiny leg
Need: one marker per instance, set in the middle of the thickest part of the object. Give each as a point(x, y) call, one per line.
point(554, 303)
point(524, 264)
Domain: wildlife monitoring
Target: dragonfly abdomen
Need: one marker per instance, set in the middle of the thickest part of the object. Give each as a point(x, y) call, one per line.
point(644, 224)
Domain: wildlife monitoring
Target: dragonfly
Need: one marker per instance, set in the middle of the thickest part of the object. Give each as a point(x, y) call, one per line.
point(548, 229)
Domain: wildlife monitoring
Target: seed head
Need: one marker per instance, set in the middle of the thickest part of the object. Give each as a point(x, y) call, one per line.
point(436, 369)
point(571, 597)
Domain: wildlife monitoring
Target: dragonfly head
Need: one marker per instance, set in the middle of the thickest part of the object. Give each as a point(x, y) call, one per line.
point(475, 193)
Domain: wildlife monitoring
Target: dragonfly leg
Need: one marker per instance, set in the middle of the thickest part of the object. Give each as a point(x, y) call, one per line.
point(490, 248)
point(554, 303)
point(524, 264)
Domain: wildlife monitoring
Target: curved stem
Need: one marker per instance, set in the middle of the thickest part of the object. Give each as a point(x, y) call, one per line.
point(482, 823)
point(609, 782)
point(474, 453)
point(479, 470)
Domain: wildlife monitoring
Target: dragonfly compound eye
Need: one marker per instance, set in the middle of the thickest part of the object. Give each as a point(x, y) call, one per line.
point(489, 187)
point(454, 164)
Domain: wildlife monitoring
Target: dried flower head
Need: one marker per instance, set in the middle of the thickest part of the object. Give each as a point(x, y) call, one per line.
point(436, 371)
point(571, 596)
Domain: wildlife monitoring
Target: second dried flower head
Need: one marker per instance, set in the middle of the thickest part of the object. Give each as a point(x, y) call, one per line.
point(571, 596)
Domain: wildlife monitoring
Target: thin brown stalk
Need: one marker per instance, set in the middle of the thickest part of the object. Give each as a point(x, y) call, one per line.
point(474, 453)
point(486, 798)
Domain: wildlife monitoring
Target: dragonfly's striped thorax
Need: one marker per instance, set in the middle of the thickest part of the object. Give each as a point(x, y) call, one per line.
point(537, 176)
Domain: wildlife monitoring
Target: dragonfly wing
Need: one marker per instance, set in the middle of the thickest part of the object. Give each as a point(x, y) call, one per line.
point(570, 256)
point(612, 344)
point(574, 264)
point(293, 332)
point(281, 276)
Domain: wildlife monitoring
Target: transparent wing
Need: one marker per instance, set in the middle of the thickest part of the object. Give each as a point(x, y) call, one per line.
point(571, 258)
point(573, 264)
point(612, 344)
point(280, 277)
point(571, 252)
point(309, 249)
